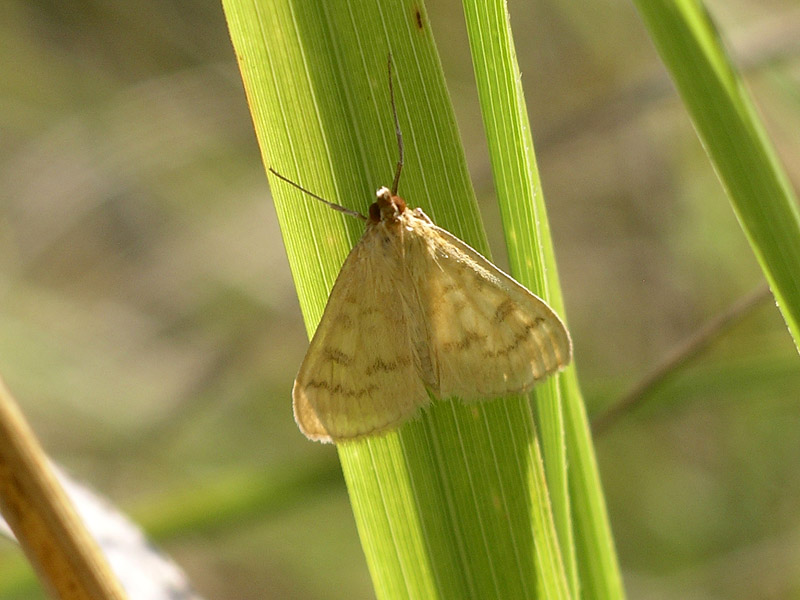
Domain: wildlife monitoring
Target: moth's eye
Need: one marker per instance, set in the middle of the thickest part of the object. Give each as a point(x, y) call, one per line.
point(374, 212)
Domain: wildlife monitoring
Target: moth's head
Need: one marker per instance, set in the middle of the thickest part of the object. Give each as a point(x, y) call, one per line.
point(387, 207)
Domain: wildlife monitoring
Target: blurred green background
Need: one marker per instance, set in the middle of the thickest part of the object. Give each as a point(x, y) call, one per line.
point(150, 330)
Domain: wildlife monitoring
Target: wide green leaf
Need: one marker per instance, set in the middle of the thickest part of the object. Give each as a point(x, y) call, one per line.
point(443, 505)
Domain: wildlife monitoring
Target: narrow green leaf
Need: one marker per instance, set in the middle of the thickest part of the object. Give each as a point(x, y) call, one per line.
point(532, 261)
point(440, 503)
point(734, 138)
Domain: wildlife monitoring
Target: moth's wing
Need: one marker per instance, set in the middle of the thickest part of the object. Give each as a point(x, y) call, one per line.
point(359, 376)
point(490, 335)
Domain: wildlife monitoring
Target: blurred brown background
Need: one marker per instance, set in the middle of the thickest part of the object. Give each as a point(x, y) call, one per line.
point(150, 330)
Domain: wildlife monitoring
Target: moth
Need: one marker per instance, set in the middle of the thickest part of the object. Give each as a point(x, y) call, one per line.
point(415, 312)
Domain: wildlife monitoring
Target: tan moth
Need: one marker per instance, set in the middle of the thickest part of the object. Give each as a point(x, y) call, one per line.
point(415, 311)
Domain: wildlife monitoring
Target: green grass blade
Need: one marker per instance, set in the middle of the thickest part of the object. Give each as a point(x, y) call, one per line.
point(532, 261)
point(438, 503)
point(517, 183)
point(734, 138)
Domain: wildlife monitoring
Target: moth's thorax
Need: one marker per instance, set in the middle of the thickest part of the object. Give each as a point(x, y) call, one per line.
point(387, 207)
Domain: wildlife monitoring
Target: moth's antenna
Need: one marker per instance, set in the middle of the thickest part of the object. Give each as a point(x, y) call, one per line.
point(397, 132)
point(342, 209)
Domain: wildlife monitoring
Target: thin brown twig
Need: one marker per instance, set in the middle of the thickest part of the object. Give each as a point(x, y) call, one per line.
point(680, 357)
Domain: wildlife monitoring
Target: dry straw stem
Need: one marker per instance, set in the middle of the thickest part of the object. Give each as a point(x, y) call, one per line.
point(59, 547)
